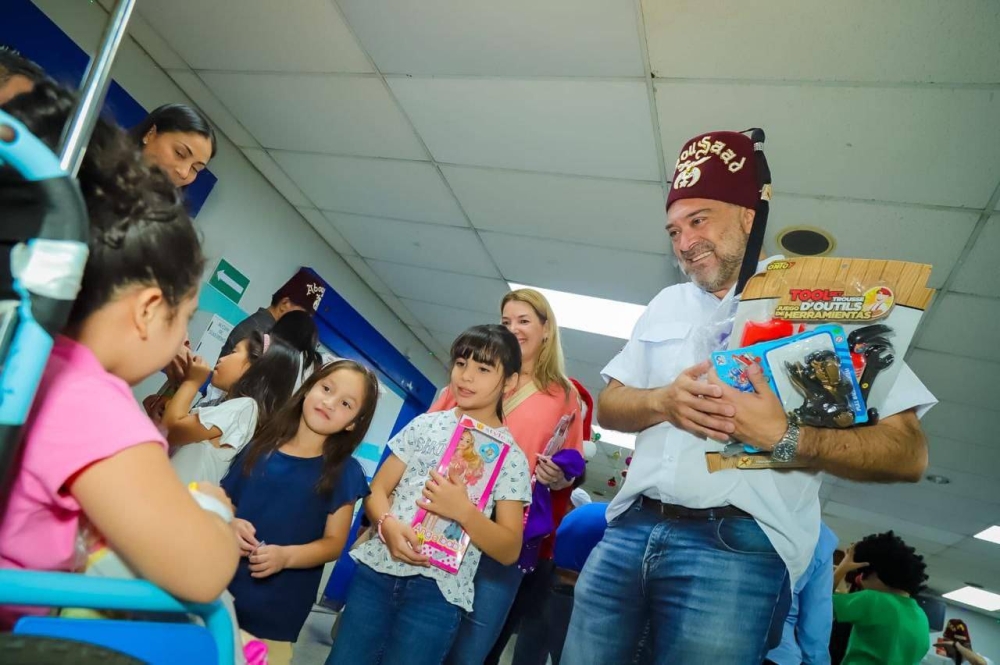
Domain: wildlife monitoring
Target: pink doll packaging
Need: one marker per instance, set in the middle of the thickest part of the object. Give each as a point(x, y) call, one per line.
point(475, 456)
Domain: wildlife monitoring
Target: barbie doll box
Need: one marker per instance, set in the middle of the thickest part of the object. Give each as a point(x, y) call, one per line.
point(474, 457)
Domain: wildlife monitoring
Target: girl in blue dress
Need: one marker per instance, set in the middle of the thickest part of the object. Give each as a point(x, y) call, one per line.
point(295, 486)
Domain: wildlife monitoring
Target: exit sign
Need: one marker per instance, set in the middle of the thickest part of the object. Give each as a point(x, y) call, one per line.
point(229, 281)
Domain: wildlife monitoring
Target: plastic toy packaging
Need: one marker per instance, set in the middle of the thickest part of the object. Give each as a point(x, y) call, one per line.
point(474, 456)
point(827, 333)
point(812, 374)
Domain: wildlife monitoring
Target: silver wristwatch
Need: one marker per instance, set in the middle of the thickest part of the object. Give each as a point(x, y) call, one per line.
point(788, 447)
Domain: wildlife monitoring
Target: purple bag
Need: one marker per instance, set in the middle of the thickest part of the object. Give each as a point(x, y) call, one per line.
point(540, 522)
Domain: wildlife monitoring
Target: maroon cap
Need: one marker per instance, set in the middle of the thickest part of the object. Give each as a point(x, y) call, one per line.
point(719, 166)
point(304, 290)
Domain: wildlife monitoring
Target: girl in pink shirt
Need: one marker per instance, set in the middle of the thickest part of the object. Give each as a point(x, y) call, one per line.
point(91, 456)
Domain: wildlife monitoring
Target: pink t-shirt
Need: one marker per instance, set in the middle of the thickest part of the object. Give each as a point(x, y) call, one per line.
point(81, 415)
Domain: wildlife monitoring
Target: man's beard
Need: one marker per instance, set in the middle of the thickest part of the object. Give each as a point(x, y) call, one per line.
point(729, 262)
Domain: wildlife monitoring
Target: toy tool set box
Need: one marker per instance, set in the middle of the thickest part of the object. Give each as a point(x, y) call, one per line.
point(829, 335)
point(474, 457)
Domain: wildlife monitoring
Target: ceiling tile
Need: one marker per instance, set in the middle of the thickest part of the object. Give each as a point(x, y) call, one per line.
point(606, 213)
point(934, 510)
point(982, 459)
point(980, 272)
point(875, 230)
point(851, 525)
point(325, 229)
point(257, 35)
point(270, 170)
point(397, 306)
point(972, 486)
point(976, 567)
point(590, 348)
point(927, 145)
point(444, 339)
point(956, 378)
point(965, 325)
point(151, 41)
point(426, 245)
point(367, 274)
point(450, 321)
point(431, 343)
point(961, 421)
point(206, 100)
point(978, 549)
point(378, 187)
point(513, 38)
point(597, 128)
point(478, 294)
point(889, 44)
point(582, 269)
point(336, 114)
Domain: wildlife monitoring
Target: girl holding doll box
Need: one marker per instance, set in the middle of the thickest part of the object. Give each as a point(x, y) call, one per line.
point(400, 609)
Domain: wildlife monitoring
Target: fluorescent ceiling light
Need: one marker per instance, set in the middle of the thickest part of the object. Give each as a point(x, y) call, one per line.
point(616, 438)
point(991, 534)
point(981, 598)
point(594, 315)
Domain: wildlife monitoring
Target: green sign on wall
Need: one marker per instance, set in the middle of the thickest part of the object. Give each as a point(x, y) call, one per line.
point(229, 281)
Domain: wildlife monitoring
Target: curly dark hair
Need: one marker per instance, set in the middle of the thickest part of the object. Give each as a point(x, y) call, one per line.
point(897, 564)
point(140, 232)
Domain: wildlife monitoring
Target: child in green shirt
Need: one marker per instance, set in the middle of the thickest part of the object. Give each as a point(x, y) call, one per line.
point(889, 627)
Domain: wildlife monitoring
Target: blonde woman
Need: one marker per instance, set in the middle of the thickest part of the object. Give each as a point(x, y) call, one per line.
point(543, 414)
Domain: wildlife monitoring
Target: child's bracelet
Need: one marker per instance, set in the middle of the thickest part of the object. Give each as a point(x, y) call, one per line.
point(378, 525)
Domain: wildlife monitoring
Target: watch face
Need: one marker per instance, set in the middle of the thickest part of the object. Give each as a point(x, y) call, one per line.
point(783, 452)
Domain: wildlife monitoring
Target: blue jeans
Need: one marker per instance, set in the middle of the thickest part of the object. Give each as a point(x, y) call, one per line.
point(709, 590)
point(394, 620)
point(496, 586)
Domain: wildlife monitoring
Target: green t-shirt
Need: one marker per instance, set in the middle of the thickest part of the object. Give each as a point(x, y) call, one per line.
point(888, 629)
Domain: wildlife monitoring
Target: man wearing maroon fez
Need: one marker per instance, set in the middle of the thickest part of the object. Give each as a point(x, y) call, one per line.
point(708, 560)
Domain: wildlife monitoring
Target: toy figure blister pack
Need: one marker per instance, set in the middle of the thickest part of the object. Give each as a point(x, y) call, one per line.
point(474, 457)
point(877, 304)
point(811, 373)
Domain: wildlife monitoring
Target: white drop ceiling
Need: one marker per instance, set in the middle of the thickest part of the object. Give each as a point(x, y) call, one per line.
point(444, 147)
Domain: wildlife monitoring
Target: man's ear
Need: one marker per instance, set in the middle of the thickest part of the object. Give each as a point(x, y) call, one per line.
point(146, 304)
point(747, 216)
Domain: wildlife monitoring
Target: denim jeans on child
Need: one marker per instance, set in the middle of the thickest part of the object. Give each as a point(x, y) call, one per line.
point(708, 588)
point(392, 620)
point(496, 586)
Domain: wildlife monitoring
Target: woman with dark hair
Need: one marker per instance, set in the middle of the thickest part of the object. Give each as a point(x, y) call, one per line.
point(178, 139)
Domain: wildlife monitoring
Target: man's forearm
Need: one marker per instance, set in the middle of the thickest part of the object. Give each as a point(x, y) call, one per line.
point(895, 450)
point(626, 409)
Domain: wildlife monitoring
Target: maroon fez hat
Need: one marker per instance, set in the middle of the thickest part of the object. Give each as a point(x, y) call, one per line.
point(719, 166)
